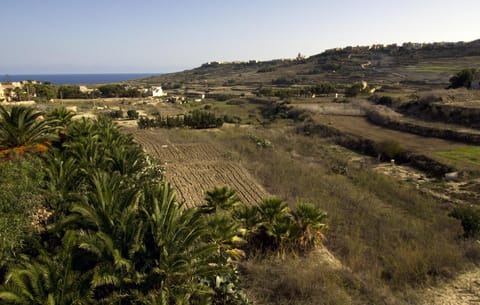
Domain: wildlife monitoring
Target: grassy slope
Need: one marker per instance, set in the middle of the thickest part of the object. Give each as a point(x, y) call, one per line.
point(389, 236)
point(432, 66)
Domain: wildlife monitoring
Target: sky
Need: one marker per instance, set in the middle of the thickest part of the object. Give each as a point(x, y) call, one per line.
point(136, 36)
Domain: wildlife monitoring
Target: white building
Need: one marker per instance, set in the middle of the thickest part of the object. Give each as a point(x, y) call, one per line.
point(2, 96)
point(85, 89)
point(158, 91)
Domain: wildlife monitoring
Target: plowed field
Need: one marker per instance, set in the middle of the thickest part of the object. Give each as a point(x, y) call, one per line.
point(194, 168)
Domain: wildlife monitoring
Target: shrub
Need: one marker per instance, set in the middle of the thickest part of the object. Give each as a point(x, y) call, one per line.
point(132, 114)
point(389, 149)
point(382, 100)
point(354, 90)
point(266, 69)
point(20, 197)
point(232, 119)
point(463, 78)
point(113, 114)
point(470, 219)
point(197, 119)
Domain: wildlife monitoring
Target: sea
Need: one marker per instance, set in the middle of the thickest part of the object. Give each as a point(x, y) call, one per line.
point(76, 79)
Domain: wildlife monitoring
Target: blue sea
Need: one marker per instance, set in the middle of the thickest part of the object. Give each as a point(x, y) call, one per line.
point(76, 79)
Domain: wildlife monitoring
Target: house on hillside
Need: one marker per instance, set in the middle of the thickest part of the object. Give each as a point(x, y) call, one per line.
point(158, 91)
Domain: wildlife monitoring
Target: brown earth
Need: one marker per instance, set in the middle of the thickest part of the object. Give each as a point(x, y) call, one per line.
point(361, 126)
point(194, 168)
point(464, 290)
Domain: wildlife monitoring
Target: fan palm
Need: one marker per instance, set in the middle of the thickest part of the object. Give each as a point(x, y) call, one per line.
point(310, 222)
point(220, 198)
point(274, 228)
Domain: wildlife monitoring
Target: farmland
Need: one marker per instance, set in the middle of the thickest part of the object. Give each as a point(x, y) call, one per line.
point(391, 234)
point(194, 168)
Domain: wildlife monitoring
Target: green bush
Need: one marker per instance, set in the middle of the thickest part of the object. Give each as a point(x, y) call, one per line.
point(132, 114)
point(463, 78)
point(20, 200)
point(389, 149)
point(354, 90)
point(470, 219)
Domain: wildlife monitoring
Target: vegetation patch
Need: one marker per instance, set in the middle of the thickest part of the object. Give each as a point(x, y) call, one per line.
point(467, 154)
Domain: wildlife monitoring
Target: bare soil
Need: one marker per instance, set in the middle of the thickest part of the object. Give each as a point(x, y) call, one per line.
point(464, 290)
point(194, 168)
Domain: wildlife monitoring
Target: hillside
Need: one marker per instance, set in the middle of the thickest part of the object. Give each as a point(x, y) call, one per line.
point(410, 65)
point(253, 183)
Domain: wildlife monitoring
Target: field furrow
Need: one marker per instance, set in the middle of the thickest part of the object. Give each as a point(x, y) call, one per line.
point(195, 168)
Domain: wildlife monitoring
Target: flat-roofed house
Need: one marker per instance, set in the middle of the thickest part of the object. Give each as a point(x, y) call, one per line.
point(158, 91)
point(8, 90)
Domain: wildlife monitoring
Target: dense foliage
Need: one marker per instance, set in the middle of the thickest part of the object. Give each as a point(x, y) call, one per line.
point(324, 88)
point(463, 78)
point(113, 90)
point(110, 230)
point(197, 120)
point(470, 219)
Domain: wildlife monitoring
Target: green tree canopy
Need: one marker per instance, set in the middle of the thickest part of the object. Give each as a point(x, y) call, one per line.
point(463, 78)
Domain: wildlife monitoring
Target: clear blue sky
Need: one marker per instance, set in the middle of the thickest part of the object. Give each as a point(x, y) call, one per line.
point(95, 36)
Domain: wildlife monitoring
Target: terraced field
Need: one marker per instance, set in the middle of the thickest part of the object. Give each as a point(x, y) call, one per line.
point(194, 168)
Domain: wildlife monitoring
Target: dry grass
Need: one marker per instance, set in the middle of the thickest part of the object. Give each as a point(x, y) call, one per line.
point(388, 235)
point(386, 232)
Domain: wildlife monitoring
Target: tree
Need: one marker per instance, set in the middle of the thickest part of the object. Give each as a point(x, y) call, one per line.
point(463, 78)
point(220, 198)
point(70, 92)
point(45, 91)
point(354, 90)
point(61, 116)
point(51, 279)
point(23, 126)
point(20, 94)
point(132, 114)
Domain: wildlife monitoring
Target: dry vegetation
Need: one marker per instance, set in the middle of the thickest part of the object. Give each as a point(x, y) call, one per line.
point(390, 239)
point(389, 236)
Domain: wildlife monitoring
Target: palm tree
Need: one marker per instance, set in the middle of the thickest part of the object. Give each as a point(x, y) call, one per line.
point(126, 158)
point(310, 222)
point(51, 279)
point(226, 234)
point(61, 116)
point(273, 209)
point(62, 180)
point(23, 126)
point(110, 231)
point(177, 249)
point(220, 198)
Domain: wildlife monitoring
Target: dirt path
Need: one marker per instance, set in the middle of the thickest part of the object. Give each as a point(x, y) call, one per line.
point(464, 290)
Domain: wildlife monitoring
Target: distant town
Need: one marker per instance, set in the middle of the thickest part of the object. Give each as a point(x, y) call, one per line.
point(32, 90)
